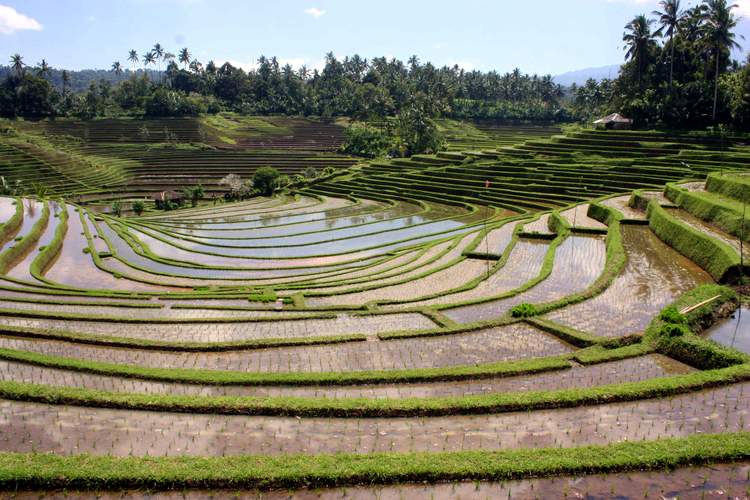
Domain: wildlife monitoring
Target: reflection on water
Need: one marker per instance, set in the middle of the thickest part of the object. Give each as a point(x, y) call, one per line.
point(733, 331)
point(7, 209)
point(73, 267)
point(31, 213)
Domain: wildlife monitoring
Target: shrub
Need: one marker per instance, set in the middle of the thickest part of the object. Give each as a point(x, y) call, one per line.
point(194, 194)
point(117, 208)
point(262, 295)
point(672, 315)
point(164, 102)
point(265, 180)
point(367, 141)
point(138, 207)
point(523, 311)
point(674, 330)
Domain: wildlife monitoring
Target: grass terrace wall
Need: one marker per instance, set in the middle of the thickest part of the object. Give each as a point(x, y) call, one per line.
point(716, 257)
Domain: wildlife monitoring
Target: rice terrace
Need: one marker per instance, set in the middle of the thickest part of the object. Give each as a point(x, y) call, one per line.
point(376, 278)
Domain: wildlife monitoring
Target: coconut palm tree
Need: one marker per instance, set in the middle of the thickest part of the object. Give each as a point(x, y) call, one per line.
point(133, 58)
point(184, 56)
point(65, 80)
point(148, 58)
point(158, 52)
point(117, 68)
point(16, 61)
point(43, 69)
point(719, 23)
point(669, 18)
point(638, 38)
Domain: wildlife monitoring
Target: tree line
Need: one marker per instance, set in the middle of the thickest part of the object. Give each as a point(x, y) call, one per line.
point(678, 73)
point(161, 83)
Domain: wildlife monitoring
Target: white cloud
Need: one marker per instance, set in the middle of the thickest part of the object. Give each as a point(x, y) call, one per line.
point(315, 12)
point(11, 21)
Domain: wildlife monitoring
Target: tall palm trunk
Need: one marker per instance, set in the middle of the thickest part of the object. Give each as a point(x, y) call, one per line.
point(716, 82)
point(671, 59)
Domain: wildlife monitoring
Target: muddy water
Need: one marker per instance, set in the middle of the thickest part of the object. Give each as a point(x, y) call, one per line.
point(538, 226)
point(497, 240)
point(71, 430)
point(579, 260)
point(715, 481)
point(524, 263)
point(489, 345)
point(734, 331)
point(630, 370)
point(578, 217)
point(620, 203)
point(236, 330)
point(654, 276)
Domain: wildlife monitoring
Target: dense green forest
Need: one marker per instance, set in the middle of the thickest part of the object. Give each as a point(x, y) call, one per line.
point(353, 87)
point(678, 73)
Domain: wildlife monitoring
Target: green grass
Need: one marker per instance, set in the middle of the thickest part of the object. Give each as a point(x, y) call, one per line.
point(20, 471)
point(720, 260)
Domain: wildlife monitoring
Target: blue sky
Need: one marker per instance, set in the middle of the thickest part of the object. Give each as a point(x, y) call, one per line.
point(545, 36)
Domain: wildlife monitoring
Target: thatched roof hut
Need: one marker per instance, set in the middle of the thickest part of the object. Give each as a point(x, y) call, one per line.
point(614, 121)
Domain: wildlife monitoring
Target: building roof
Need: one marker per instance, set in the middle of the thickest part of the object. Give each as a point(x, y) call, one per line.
point(614, 118)
point(167, 196)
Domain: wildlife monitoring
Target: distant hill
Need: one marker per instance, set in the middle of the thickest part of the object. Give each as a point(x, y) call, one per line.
point(580, 76)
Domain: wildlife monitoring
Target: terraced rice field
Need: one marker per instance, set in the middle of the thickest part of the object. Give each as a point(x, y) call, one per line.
point(396, 323)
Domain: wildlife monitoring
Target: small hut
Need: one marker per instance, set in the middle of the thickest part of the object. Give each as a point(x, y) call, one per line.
point(164, 198)
point(615, 121)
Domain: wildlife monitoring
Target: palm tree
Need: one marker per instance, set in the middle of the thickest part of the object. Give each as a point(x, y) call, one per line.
point(719, 23)
point(184, 56)
point(16, 61)
point(133, 58)
point(638, 39)
point(669, 18)
point(148, 58)
point(65, 80)
point(117, 68)
point(43, 69)
point(158, 52)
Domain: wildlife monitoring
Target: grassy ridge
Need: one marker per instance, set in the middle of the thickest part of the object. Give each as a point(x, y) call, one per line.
point(9, 227)
point(362, 407)
point(49, 471)
point(14, 252)
point(719, 259)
